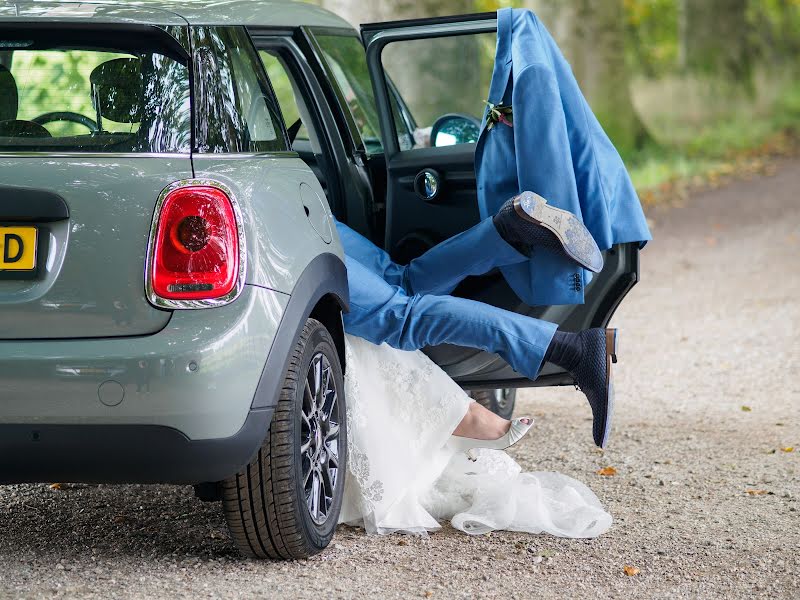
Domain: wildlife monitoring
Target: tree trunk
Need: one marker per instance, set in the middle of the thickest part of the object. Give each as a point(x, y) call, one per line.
point(591, 35)
point(714, 39)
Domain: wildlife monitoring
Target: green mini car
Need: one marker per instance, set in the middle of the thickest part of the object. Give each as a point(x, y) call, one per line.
point(171, 281)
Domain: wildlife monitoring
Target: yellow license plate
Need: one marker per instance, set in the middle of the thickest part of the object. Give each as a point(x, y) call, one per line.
point(18, 248)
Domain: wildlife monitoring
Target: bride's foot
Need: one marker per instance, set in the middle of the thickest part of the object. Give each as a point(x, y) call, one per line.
point(481, 428)
point(481, 424)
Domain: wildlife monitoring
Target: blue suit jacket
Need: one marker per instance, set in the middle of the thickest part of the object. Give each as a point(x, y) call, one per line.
point(557, 149)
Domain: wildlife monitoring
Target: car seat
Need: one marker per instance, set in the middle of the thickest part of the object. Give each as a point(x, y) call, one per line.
point(10, 126)
point(118, 91)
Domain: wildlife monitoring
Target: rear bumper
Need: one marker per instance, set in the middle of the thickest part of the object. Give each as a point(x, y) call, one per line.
point(124, 453)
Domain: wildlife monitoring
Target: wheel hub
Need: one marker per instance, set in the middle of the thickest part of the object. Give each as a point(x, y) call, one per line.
point(319, 450)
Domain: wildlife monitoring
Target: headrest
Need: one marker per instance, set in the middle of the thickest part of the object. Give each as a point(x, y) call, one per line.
point(9, 96)
point(118, 90)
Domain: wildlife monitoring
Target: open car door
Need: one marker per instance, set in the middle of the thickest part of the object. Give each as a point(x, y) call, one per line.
point(441, 68)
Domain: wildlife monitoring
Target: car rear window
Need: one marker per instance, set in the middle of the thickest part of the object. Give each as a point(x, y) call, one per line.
point(93, 90)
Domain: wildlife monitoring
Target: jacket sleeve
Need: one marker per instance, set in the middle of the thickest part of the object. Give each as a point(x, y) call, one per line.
point(544, 166)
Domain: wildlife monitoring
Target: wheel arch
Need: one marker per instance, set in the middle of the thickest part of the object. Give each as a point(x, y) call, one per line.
point(321, 292)
point(328, 311)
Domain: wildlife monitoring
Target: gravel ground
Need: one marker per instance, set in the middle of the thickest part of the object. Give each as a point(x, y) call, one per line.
point(708, 398)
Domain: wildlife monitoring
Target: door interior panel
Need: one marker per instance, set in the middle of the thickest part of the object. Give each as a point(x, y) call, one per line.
point(414, 224)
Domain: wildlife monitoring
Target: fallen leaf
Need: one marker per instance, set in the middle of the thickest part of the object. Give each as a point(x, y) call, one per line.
point(756, 492)
point(630, 571)
point(788, 449)
point(746, 408)
point(607, 472)
point(56, 486)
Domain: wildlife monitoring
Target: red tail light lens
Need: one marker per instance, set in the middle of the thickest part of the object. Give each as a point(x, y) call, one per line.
point(196, 249)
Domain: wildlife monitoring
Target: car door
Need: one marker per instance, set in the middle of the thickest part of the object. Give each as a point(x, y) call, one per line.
point(442, 67)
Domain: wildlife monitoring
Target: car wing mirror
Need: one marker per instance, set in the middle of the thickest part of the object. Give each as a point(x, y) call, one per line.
point(452, 129)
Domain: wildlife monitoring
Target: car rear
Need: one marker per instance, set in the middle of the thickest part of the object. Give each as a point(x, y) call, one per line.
point(123, 306)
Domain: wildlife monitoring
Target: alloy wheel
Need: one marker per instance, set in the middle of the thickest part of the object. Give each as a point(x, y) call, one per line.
point(319, 450)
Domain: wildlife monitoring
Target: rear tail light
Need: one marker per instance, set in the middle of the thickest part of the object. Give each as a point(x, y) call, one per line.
point(195, 251)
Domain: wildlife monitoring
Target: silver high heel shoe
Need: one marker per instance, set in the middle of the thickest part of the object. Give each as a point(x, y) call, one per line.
point(515, 433)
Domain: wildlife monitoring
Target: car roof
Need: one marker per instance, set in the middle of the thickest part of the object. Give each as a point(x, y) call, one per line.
point(266, 13)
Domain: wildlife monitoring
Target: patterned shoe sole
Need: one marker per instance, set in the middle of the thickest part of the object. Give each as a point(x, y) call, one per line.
point(576, 240)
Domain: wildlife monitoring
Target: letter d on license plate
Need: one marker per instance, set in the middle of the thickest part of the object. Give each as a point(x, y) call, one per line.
point(17, 248)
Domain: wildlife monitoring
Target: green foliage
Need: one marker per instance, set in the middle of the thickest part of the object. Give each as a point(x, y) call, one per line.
point(719, 138)
point(652, 35)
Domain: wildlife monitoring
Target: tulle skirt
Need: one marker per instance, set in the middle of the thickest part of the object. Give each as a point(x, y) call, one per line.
point(404, 477)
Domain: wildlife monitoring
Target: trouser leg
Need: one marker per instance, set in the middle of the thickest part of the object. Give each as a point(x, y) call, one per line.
point(439, 270)
point(381, 313)
point(475, 251)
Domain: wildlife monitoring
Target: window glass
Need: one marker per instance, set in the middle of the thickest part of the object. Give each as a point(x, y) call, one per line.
point(345, 57)
point(59, 95)
point(443, 76)
point(285, 92)
point(235, 107)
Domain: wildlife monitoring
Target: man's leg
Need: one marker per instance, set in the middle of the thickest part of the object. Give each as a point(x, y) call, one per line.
point(380, 312)
point(473, 252)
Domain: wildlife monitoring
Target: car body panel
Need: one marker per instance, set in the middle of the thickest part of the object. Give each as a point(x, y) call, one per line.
point(282, 238)
point(88, 12)
point(273, 13)
point(93, 263)
point(198, 375)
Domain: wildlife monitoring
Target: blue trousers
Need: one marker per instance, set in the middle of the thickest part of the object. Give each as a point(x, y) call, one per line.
point(407, 306)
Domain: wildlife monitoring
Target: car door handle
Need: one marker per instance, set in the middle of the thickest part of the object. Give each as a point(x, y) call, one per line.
point(428, 184)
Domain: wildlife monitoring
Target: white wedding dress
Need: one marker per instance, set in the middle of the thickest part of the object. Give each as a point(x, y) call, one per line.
point(402, 475)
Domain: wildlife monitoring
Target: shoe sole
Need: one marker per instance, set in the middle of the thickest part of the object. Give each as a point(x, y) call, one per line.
point(612, 345)
point(575, 239)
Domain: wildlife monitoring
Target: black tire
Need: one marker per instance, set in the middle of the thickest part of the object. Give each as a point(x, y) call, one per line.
point(500, 401)
point(266, 504)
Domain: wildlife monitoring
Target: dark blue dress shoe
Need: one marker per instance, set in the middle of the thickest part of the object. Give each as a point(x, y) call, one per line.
point(527, 221)
point(593, 377)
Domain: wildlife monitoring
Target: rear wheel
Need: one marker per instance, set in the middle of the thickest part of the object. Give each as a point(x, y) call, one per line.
point(285, 504)
point(500, 401)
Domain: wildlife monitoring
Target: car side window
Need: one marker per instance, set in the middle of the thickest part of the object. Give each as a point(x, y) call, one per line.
point(345, 59)
point(235, 108)
point(443, 82)
point(286, 93)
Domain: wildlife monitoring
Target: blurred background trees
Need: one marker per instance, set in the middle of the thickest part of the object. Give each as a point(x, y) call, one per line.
point(679, 85)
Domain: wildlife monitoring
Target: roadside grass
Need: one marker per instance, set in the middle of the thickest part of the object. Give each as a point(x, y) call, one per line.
point(705, 132)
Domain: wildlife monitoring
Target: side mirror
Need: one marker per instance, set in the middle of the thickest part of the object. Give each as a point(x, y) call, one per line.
point(452, 129)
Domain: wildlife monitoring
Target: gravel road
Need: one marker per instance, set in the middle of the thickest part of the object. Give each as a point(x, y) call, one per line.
point(705, 499)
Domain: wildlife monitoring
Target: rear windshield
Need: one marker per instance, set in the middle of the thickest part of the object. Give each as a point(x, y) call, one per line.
point(93, 90)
